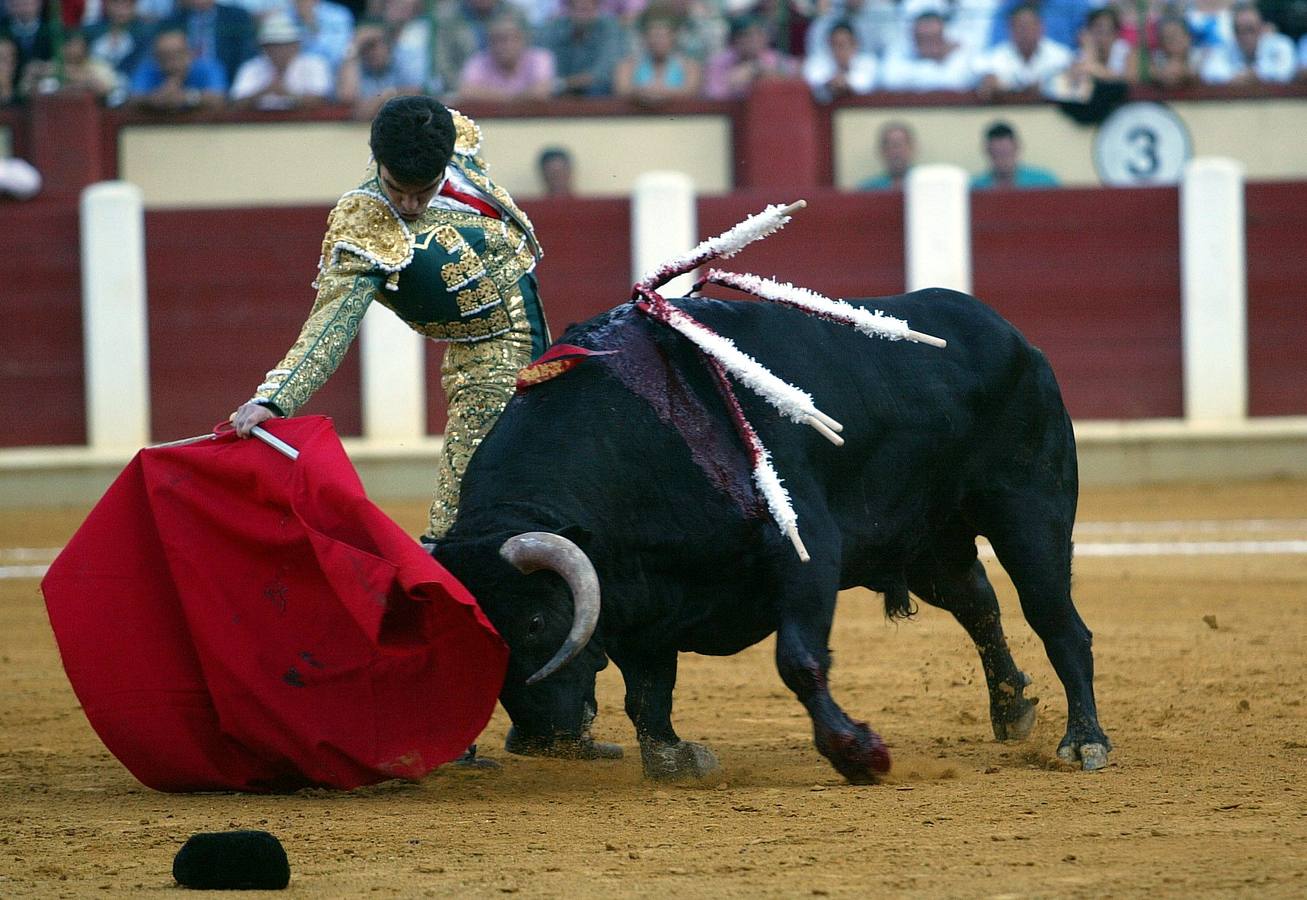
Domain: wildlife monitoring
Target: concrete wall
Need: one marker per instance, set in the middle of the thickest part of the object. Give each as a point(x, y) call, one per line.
point(1264, 135)
point(264, 164)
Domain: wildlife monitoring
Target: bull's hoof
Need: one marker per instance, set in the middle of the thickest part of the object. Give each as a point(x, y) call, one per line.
point(561, 748)
point(1090, 756)
point(683, 761)
point(858, 754)
point(1021, 721)
point(1012, 715)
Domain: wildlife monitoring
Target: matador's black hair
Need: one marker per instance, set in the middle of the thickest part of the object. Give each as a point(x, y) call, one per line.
point(413, 137)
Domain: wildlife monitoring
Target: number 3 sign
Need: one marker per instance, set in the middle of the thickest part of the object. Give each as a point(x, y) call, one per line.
point(1141, 144)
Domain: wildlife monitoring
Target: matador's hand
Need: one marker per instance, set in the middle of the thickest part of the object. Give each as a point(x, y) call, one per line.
point(249, 415)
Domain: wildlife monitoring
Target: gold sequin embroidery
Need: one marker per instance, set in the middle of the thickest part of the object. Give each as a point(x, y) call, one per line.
point(322, 343)
point(474, 299)
point(478, 379)
point(364, 225)
point(447, 236)
point(458, 273)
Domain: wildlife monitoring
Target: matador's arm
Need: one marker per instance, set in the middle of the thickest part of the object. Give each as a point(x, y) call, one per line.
point(366, 245)
point(345, 290)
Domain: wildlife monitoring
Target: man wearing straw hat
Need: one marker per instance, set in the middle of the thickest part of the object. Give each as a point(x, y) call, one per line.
point(430, 236)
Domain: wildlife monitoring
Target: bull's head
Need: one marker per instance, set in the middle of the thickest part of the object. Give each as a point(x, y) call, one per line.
point(542, 594)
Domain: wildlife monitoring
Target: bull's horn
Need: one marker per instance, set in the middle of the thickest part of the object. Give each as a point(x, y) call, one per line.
point(538, 550)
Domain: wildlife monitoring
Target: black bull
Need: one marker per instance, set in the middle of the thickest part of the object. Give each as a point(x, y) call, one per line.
point(942, 445)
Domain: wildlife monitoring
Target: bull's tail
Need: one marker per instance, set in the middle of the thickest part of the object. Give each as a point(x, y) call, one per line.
point(898, 602)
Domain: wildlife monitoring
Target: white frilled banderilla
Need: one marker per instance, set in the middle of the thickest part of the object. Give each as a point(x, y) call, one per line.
point(726, 361)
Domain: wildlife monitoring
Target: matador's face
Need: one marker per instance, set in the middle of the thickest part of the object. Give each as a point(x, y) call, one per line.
point(409, 200)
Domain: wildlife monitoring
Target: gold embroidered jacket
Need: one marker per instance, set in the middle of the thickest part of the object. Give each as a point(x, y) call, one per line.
point(451, 276)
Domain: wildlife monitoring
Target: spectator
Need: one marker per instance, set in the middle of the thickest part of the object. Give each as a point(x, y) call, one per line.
point(537, 12)
point(898, 152)
point(173, 79)
point(1128, 13)
point(409, 36)
point(1062, 19)
point(218, 32)
point(1026, 60)
point(700, 27)
point(121, 38)
point(1005, 167)
point(968, 23)
point(555, 165)
point(1259, 54)
point(22, 24)
point(1104, 54)
point(152, 12)
point(874, 22)
point(281, 76)
point(1211, 22)
point(658, 71)
point(844, 71)
point(509, 69)
point(932, 63)
point(587, 46)
point(478, 15)
point(19, 180)
point(749, 58)
point(369, 76)
point(326, 29)
point(1176, 62)
point(82, 73)
point(8, 71)
point(461, 33)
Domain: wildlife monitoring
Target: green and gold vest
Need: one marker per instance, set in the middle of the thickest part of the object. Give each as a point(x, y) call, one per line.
point(451, 275)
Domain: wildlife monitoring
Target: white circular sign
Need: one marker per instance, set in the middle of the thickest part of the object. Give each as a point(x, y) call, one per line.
point(1141, 144)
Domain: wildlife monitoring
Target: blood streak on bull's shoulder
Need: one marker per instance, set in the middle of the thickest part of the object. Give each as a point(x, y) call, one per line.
point(723, 358)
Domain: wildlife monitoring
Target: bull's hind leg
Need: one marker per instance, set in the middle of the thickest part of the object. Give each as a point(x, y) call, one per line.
point(963, 589)
point(807, 608)
point(1032, 538)
point(650, 676)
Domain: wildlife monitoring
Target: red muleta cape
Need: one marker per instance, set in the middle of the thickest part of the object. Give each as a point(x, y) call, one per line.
point(233, 620)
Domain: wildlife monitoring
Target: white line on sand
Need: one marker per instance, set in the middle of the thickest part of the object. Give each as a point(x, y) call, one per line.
point(7, 572)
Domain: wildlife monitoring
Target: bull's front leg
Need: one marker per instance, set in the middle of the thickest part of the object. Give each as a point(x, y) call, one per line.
point(650, 677)
point(803, 659)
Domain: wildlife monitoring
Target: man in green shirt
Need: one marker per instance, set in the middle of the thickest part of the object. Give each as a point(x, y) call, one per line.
point(1006, 169)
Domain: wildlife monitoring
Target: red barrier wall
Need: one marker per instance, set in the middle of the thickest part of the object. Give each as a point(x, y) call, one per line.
point(229, 290)
point(1092, 277)
point(42, 390)
point(1277, 299)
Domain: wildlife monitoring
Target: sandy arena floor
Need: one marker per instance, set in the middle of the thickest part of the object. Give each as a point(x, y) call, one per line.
point(1202, 675)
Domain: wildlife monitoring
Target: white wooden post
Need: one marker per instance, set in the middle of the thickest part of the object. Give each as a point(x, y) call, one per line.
point(1213, 288)
point(664, 224)
point(937, 228)
point(393, 378)
point(114, 330)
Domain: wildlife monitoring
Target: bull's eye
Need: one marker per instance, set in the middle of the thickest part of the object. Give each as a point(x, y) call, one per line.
point(533, 627)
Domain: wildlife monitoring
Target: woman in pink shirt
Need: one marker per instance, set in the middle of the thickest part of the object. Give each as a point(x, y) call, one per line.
point(732, 73)
point(508, 69)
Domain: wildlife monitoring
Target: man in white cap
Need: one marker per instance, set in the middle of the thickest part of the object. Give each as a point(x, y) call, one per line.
point(281, 77)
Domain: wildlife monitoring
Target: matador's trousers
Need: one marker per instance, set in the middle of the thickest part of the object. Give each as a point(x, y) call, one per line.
point(478, 380)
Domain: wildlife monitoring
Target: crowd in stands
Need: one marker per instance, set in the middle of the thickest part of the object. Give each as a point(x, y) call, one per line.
point(170, 55)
